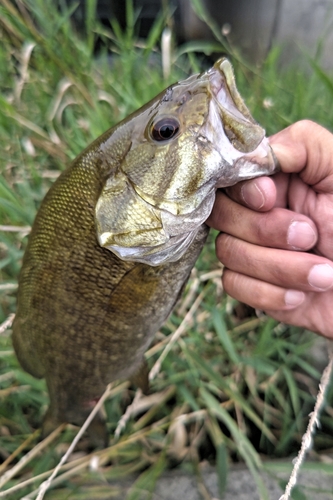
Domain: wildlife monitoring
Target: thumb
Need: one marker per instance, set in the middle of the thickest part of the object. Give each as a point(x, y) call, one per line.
point(306, 148)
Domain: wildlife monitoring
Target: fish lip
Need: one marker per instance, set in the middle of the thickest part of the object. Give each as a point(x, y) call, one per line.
point(224, 92)
point(242, 131)
point(267, 165)
point(260, 162)
point(248, 149)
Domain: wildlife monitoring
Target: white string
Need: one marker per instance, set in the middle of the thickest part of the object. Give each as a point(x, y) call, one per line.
point(313, 423)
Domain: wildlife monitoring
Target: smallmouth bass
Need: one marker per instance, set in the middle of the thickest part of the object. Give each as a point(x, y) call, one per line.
point(118, 233)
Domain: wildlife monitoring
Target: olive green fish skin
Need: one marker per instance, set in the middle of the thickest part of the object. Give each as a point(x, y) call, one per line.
point(85, 316)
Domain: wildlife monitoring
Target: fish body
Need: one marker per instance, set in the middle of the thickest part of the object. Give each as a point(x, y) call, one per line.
point(118, 233)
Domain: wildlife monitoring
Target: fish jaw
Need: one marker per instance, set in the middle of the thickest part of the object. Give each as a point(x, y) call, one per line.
point(240, 141)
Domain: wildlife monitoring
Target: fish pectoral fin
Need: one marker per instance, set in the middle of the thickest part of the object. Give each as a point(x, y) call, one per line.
point(140, 377)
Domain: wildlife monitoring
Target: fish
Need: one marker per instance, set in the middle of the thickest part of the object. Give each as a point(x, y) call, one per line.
point(117, 235)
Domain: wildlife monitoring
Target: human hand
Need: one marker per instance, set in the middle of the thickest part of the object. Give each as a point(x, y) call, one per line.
point(268, 225)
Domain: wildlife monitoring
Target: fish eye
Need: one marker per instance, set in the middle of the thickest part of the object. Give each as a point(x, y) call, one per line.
point(164, 129)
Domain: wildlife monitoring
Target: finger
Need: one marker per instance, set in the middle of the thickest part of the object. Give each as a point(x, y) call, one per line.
point(259, 294)
point(296, 270)
point(261, 194)
point(306, 148)
point(286, 305)
point(258, 194)
point(279, 228)
point(308, 314)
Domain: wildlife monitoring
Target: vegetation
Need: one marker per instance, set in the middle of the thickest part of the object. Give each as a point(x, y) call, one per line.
point(234, 387)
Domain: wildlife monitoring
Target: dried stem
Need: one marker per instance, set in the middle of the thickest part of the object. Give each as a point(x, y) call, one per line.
point(127, 415)
point(7, 323)
point(29, 456)
point(15, 229)
point(18, 450)
point(46, 484)
point(187, 321)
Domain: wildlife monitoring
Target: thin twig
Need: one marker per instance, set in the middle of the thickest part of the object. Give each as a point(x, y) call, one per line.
point(313, 423)
point(46, 484)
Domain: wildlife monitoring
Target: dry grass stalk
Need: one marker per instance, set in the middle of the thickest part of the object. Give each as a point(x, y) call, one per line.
point(62, 88)
point(210, 275)
point(313, 423)
point(127, 415)
point(79, 463)
point(189, 298)
point(29, 456)
point(45, 486)
point(4, 393)
point(24, 72)
point(18, 450)
point(8, 286)
point(187, 321)
point(15, 229)
point(74, 467)
point(154, 409)
point(166, 47)
point(7, 323)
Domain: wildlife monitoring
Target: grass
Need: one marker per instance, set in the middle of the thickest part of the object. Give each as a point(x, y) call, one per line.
point(234, 387)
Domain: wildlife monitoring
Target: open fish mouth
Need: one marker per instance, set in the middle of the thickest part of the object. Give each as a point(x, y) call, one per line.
point(244, 133)
point(240, 140)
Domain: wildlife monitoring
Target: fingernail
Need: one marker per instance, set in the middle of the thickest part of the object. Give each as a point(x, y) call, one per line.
point(294, 298)
point(252, 195)
point(321, 276)
point(301, 235)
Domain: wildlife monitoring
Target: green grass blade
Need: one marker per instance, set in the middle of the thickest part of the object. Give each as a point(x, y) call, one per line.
point(244, 447)
point(223, 335)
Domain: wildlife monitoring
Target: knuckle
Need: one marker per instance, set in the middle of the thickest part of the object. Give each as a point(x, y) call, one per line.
point(224, 247)
point(302, 127)
point(228, 279)
point(263, 228)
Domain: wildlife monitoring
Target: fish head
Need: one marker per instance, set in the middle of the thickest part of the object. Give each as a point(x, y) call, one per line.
point(196, 136)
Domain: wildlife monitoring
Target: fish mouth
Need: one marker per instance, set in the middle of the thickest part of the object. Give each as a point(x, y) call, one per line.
point(244, 133)
point(242, 140)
